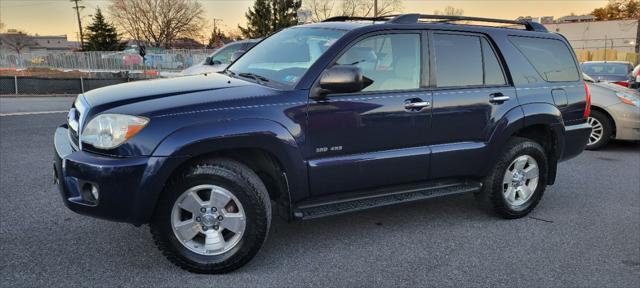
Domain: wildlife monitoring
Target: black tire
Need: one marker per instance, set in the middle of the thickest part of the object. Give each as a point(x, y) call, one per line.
point(492, 198)
point(607, 130)
point(245, 185)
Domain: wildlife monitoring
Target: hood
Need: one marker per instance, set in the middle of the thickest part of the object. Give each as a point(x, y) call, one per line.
point(153, 96)
point(201, 69)
point(615, 88)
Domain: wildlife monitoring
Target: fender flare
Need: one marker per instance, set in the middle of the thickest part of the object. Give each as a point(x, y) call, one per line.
point(208, 137)
point(520, 118)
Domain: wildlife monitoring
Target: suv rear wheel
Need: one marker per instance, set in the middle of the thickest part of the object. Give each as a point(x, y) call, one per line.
point(518, 180)
point(213, 218)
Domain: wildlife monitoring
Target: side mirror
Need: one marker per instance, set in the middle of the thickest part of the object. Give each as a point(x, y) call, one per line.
point(342, 79)
point(236, 55)
point(207, 61)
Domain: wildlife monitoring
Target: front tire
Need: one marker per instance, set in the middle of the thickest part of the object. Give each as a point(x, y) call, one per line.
point(518, 180)
point(601, 130)
point(213, 217)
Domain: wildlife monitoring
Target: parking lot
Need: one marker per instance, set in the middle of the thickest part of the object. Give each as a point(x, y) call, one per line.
point(585, 232)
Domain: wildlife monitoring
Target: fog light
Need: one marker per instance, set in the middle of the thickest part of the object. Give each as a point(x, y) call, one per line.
point(94, 192)
point(90, 193)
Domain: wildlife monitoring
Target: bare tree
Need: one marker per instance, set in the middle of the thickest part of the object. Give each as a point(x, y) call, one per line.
point(364, 8)
point(158, 22)
point(320, 9)
point(449, 11)
point(323, 9)
point(17, 41)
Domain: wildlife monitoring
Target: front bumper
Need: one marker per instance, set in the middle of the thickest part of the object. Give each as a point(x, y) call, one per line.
point(627, 121)
point(127, 187)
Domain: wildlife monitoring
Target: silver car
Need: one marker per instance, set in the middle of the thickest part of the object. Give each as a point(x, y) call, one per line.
point(221, 58)
point(615, 113)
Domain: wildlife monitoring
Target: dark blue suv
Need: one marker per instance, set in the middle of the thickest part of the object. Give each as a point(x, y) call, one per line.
point(323, 119)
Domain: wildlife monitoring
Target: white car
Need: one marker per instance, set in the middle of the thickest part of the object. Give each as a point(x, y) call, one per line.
point(221, 58)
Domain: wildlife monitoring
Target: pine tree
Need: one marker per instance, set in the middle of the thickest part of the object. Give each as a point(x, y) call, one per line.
point(266, 18)
point(101, 36)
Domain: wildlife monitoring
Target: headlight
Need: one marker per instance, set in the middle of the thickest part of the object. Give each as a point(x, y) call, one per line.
point(628, 99)
point(108, 131)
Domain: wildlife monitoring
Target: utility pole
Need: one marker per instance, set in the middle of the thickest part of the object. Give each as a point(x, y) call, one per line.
point(215, 32)
point(375, 8)
point(77, 8)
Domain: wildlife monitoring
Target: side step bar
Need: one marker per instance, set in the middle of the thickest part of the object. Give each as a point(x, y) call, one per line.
point(319, 209)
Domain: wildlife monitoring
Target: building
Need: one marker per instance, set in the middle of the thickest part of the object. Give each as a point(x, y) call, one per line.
point(34, 43)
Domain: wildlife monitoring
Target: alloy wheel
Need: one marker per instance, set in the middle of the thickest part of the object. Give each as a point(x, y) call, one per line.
point(208, 220)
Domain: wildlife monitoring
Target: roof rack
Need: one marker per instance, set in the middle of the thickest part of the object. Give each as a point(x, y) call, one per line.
point(415, 18)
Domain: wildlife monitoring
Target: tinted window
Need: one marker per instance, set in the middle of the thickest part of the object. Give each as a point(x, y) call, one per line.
point(493, 74)
point(551, 58)
point(392, 61)
point(601, 68)
point(458, 60)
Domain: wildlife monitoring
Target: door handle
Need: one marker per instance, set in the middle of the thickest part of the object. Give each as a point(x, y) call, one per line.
point(498, 98)
point(416, 105)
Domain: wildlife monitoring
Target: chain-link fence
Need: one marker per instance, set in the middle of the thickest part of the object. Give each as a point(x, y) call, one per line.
point(168, 60)
point(25, 85)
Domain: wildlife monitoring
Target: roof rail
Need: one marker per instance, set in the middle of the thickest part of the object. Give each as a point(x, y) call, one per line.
point(415, 18)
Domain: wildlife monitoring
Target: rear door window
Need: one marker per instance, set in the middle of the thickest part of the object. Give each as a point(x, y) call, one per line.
point(466, 60)
point(550, 57)
point(458, 60)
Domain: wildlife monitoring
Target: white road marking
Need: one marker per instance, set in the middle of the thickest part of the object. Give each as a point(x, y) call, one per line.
point(31, 113)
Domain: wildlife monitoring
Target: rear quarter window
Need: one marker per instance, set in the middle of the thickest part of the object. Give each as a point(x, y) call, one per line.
point(551, 58)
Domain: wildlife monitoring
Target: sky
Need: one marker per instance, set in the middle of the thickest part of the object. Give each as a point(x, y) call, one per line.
point(56, 17)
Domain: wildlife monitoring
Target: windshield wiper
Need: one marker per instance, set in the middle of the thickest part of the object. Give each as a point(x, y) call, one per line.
point(254, 76)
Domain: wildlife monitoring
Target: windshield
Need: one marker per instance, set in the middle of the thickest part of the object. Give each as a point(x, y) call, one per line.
point(606, 68)
point(283, 58)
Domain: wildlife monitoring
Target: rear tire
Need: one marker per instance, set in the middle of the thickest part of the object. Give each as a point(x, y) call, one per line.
point(517, 181)
point(202, 198)
point(601, 130)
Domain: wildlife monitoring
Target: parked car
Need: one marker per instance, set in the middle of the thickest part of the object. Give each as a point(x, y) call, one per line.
point(221, 58)
point(616, 72)
point(636, 74)
point(323, 119)
point(615, 113)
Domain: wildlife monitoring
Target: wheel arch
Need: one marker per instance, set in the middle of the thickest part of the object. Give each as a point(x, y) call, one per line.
point(609, 115)
point(258, 143)
point(540, 122)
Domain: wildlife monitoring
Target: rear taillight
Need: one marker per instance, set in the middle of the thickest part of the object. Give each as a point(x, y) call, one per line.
point(587, 98)
point(622, 83)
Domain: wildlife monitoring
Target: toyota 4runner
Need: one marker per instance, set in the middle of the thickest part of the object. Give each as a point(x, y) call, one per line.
point(323, 119)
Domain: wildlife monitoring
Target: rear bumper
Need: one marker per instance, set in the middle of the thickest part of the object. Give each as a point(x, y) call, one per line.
point(575, 140)
point(127, 187)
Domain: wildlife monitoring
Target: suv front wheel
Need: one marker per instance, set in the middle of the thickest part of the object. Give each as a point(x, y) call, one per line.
point(212, 218)
point(518, 180)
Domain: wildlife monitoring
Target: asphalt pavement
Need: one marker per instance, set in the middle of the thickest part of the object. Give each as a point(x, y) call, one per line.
point(585, 232)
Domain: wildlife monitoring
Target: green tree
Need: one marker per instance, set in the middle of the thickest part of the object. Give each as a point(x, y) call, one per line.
point(267, 17)
point(618, 9)
point(101, 35)
point(218, 38)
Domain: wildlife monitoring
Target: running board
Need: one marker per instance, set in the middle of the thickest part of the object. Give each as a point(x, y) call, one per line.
point(319, 208)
